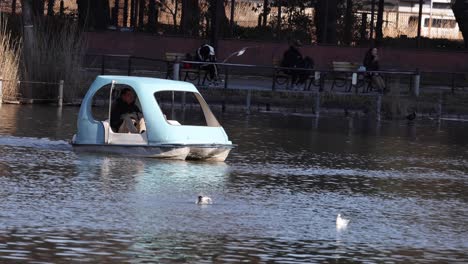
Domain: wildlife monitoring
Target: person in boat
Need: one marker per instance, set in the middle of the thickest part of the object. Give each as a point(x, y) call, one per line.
point(126, 117)
point(371, 62)
point(292, 58)
point(206, 53)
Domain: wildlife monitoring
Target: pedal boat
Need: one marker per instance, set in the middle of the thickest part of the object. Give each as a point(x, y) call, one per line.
point(166, 139)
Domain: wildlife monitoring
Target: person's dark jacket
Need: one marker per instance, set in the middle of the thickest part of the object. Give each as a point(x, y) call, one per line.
point(120, 108)
point(291, 58)
point(370, 63)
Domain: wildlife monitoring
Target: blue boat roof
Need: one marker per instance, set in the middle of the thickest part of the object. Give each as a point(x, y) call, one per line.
point(148, 84)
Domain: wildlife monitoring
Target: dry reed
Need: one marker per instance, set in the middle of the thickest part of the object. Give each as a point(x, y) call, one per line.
point(9, 61)
point(58, 50)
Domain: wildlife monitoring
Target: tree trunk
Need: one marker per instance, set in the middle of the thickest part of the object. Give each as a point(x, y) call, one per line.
point(132, 13)
point(62, 8)
point(38, 7)
point(174, 15)
point(265, 13)
point(85, 17)
point(50, 7)
point(460, 10)
point(190, 17)
point(151, 15)
point(321, 21)
point(125, 13)
point(348, 27)
point(115, 14)
point(101, 14)
point(332, 18)
point(217, 9)
point(379, 24)
point(141, 14)
point(278, 26)
point(231, 18)
point(13, 6)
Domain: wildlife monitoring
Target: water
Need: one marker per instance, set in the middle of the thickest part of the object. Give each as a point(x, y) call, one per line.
point(402, 185)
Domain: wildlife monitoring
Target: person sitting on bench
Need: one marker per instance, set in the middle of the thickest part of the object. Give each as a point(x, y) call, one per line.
point(292, 58)
point(371, 62)
point(206, 53)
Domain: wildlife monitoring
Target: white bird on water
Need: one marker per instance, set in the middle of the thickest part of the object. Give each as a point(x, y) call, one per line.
point(341, 223)
point(204, 200)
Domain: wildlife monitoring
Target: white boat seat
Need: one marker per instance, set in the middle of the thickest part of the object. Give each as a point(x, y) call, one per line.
point(110, 137)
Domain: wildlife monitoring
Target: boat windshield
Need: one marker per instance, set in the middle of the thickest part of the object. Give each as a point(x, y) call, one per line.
point(185, 108)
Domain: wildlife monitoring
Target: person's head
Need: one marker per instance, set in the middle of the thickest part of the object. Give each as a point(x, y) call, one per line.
point(296, 43)
point(127, 96)
point(372, 52)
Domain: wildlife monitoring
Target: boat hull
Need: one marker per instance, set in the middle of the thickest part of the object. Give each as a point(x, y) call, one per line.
point(209, 153)
point(160, 152)
point(176, 152)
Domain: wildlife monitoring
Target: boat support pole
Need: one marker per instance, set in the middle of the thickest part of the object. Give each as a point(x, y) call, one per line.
point(317, 104)
point(378, 107)
point(110, 105)
point(176, 70)
point(60, 94)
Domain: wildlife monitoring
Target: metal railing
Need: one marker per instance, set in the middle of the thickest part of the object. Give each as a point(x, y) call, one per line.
point(51, 91)
point(352, 80)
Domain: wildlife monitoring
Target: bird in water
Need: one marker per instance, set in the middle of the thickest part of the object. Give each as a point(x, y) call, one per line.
point(341, 223)
point(411, 116)
point(204, 200)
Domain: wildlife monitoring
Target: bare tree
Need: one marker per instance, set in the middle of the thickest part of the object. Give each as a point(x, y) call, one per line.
point(50, 7)
point(266, 11)
point(190, 17)
point(13, 6)
point(152, 15)
point(460, 10)
point(172, 9)
point(379, 24)
point(141, 13)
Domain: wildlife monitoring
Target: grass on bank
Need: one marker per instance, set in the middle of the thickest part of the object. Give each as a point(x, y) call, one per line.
point(10, 55)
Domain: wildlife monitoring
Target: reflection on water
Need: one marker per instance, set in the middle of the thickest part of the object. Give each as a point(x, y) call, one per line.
point(275, 199)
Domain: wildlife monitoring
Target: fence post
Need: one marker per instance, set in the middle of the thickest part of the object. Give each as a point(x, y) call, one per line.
point(378, 107)
point(60, 92)
point(317, 104)
point(1, 90)
point(176, 69)
point(248, 100)
point(416, 82)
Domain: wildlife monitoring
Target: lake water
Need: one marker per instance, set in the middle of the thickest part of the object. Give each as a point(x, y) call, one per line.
point(404, 187)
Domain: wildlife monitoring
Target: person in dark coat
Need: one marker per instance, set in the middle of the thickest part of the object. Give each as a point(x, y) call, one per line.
point(126, 117)
point(371, 62)
point(206, 53)
point(292, 58)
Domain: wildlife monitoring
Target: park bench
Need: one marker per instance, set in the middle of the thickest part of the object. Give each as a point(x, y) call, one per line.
point(281, 78)
point(191, 72)
point(342, 76)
